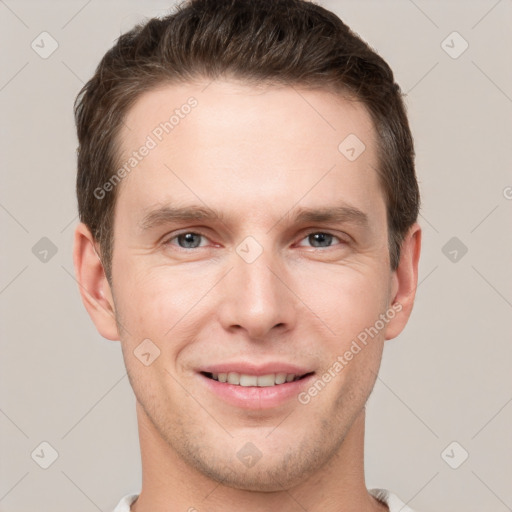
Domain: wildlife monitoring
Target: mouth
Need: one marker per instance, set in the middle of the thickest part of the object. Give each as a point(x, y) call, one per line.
point(248, 385)
point(262, 381)
point(257, 388)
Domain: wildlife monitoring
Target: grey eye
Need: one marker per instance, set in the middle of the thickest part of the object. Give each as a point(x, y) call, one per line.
point(188, 240)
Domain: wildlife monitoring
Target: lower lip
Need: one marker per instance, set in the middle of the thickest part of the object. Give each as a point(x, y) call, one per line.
point(254, 397)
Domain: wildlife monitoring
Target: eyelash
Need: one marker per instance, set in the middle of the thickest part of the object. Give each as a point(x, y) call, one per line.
point(306, 235)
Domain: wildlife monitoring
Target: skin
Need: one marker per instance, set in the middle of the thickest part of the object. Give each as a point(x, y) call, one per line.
point(256, 155)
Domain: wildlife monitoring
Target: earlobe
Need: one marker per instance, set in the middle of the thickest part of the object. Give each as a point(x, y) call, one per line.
point(92, 283)
point(405, 281)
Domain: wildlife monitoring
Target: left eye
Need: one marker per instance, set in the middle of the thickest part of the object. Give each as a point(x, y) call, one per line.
point(192, 240)
point(321, 238)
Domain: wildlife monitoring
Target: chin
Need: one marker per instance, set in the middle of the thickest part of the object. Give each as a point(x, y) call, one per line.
point(264, 479)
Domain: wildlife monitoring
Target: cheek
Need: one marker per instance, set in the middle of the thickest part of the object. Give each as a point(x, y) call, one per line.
point(153, 307)
point(149, 305)
point(347, 299)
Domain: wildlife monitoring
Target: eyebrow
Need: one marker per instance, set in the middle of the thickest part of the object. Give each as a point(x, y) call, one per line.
point(336, 214)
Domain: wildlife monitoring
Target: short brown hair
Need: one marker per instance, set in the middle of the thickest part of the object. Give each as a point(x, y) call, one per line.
point(282, 42)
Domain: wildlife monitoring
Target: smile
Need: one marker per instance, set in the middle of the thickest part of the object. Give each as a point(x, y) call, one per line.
point(246, 380)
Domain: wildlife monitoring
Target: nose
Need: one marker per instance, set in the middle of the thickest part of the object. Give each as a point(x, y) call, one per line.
point(255, 298)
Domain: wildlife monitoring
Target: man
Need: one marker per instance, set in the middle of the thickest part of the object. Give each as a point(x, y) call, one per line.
point(248, 206)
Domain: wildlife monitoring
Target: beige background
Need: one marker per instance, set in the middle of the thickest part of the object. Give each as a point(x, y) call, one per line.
point(446, 379)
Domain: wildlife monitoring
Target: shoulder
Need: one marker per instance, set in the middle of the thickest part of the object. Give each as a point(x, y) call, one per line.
point(394, 503)
point(125, 503)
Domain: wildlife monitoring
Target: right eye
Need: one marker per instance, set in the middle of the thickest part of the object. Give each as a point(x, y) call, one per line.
point(186, 240)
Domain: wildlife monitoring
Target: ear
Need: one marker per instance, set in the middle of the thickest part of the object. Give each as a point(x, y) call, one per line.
point(404, 281)
point(93, 285)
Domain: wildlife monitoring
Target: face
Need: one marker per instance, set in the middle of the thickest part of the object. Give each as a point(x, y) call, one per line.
point(250, 246)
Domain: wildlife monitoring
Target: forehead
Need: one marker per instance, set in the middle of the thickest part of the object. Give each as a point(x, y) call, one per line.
point(244, 146)
point(244, 111)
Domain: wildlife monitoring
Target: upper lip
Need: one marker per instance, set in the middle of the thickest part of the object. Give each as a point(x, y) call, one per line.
point(255, 369)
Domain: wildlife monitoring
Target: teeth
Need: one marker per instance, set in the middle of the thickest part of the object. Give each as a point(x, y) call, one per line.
point(242, 379)
point(248, 380)
point(280, 378)
point(266, 380)
point(233, 378)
